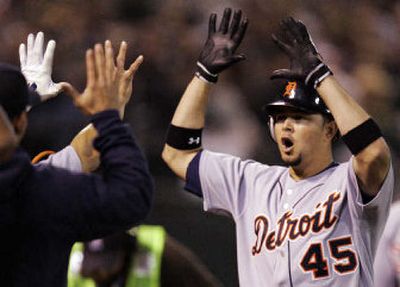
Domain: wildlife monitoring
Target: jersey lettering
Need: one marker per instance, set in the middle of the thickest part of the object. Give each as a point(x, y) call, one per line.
point(293, 228)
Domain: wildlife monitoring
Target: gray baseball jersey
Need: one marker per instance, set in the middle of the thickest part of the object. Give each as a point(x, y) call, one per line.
point(387, 261)
point(66, 158)
point(313, 232)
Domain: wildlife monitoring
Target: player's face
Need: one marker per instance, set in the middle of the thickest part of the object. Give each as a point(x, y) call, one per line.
point(301, 137)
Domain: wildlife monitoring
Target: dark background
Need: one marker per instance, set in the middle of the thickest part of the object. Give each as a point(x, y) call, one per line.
point(359, 40)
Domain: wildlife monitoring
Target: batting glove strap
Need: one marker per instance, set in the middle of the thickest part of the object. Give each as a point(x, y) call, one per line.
point(317, 75)
point(205, 75)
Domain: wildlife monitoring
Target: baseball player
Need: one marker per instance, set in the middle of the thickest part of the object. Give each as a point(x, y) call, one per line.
point(312, 222)
point(44, 209)
point(387, 261)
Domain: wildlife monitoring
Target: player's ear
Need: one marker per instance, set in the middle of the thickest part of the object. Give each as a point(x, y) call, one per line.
point(331, 129)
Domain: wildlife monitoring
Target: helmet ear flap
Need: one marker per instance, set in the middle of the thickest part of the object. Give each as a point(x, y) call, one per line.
point(271, 124)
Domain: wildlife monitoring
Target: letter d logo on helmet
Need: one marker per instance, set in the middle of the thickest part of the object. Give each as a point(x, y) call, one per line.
point(295, 96)
point(290, 89)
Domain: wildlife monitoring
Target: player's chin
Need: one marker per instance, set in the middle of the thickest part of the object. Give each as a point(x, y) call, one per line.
point(291, 160)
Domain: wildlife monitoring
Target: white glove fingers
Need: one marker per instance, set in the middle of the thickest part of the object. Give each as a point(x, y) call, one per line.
point(30, 42)
point(22, 55)
point(38, 48)
point(48, 56)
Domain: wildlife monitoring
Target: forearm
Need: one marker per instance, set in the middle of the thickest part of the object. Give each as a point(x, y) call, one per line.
point(347, 113)
point(190, 113)
point(122, 196)
point(191, 109)
point(124, 165)
point(83, 146)
point(90, 206)
point(217, 55)
point(372, 163)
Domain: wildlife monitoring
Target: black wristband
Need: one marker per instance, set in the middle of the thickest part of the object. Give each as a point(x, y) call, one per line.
point(317, 75)
point(205, 74)
point(183, 138)
point(362, 136)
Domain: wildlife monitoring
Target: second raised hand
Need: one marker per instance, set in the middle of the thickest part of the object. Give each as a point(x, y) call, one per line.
point(109, 85)
point(37, 66)
point(306, 63)
point(219, 50)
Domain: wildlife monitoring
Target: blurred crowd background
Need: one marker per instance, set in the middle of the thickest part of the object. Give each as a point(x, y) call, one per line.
point(359, 40)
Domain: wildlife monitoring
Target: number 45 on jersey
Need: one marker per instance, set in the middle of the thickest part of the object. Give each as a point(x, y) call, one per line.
point(345, 259)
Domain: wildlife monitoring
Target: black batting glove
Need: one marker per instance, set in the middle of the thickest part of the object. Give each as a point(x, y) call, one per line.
point(219, 50)
point(305, 62)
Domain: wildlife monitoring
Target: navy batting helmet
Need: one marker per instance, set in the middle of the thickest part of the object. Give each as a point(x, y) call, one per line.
point(15, 95)
point(298, 97)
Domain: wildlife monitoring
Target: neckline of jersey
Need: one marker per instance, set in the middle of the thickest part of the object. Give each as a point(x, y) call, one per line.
point(313, 178)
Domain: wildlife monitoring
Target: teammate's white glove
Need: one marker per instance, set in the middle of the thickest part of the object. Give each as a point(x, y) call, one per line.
point(37, 67)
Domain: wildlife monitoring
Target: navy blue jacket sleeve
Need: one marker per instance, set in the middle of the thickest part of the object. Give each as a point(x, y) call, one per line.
point(87, 206)
point(12, 173)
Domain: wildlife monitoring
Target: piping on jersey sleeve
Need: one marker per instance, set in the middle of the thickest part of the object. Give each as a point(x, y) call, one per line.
point(193, 184)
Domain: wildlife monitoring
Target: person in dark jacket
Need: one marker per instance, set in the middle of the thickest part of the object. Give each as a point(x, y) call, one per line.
point(44, 210)
point(146, 255)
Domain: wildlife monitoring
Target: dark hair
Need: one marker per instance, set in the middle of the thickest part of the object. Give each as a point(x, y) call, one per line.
point(14, 91)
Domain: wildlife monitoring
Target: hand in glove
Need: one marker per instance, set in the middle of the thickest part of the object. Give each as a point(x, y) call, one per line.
point(305, 62)
point(219, 50)
point(37, 67)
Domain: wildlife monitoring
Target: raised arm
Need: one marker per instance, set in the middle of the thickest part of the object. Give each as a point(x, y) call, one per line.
point(37, 65)
point(371, 154)
point(218, 53)
point(371, 164)
point(91, 205)
point(83, 141)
